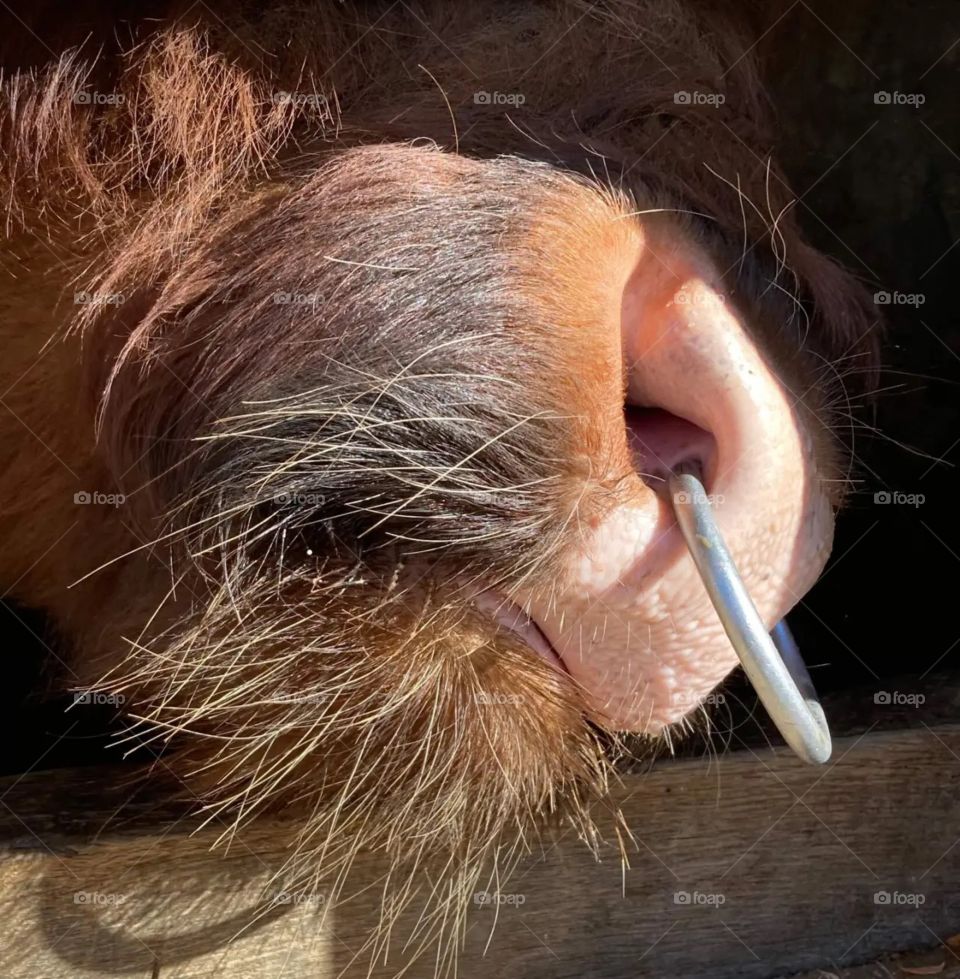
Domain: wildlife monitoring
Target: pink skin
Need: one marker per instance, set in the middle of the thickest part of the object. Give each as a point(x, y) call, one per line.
point(632, 623)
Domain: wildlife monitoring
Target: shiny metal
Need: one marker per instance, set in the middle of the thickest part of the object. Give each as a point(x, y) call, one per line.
point(772, 662)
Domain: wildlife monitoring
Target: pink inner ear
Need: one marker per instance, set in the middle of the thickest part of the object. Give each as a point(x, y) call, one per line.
point(661, 442)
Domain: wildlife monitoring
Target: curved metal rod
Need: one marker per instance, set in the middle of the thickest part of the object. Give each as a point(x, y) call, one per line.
point(772, 662)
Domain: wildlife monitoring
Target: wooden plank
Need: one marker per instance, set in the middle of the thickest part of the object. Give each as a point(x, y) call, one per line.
point(941, 962)
point(781, 863)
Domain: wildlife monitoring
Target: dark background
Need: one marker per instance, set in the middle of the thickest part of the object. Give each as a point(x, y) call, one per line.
point(878, 189)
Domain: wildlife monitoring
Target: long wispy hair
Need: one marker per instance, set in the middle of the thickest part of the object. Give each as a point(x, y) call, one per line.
point(342, 385)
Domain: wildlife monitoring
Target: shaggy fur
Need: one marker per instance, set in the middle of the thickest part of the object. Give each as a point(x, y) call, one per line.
point(319, 315)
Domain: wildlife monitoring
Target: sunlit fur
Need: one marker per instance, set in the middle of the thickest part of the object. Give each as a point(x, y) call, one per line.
point(314, 485)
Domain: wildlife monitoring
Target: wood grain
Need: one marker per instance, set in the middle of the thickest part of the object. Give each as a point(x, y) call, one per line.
point(782, 864)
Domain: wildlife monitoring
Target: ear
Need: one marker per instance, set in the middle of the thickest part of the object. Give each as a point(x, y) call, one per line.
point(630, 618)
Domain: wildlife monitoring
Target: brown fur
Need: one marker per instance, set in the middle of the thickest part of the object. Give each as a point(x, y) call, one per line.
point(442, 405)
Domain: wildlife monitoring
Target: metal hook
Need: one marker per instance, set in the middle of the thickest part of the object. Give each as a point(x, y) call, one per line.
point(772, 662)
